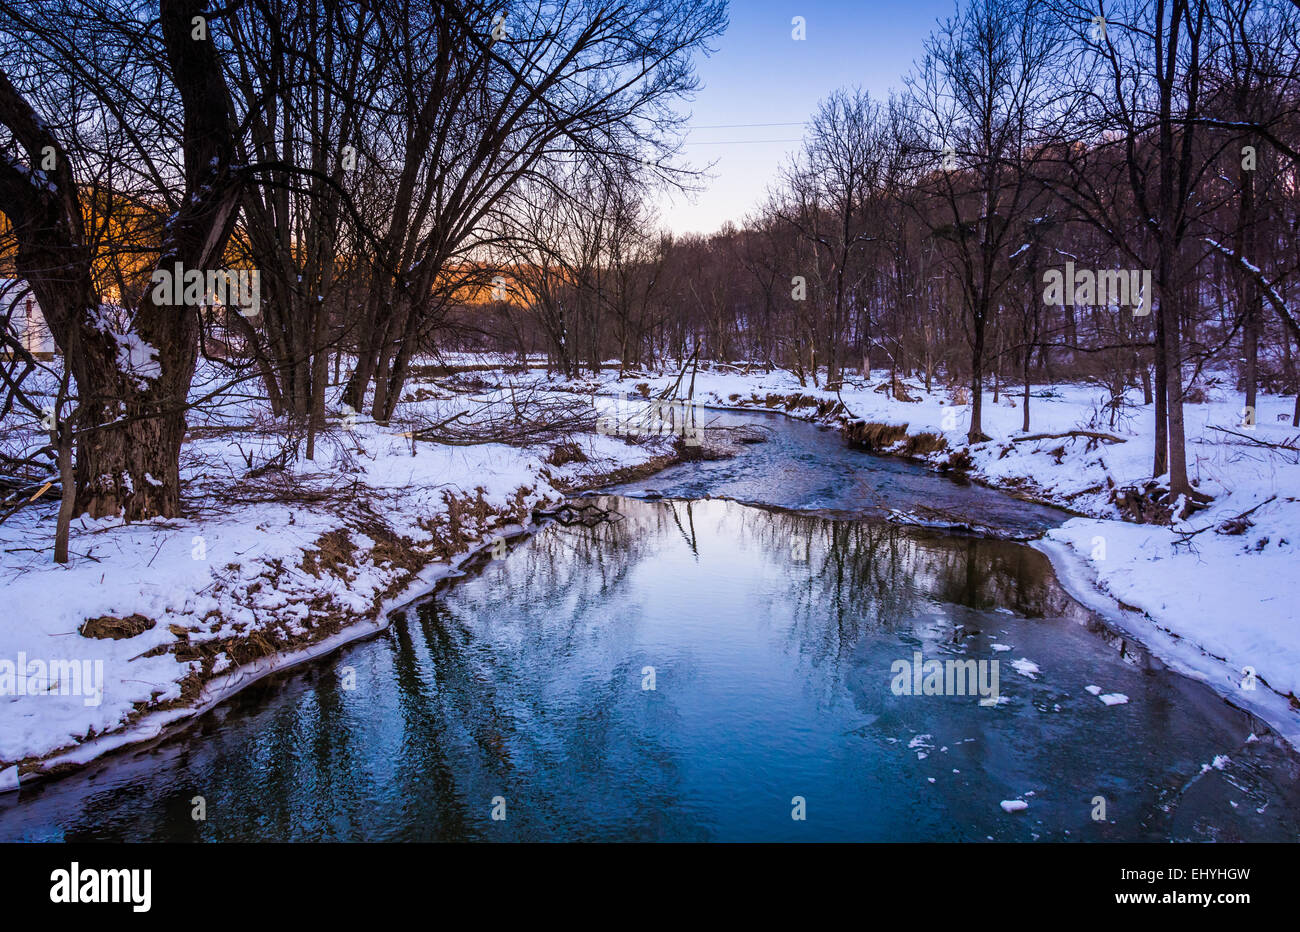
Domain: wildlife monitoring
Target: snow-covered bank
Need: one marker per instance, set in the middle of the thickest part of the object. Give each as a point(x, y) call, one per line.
point(1079, 578)
point(278, 561)
point(1215, 595)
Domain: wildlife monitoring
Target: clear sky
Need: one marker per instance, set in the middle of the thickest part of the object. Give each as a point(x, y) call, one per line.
point(760, 74)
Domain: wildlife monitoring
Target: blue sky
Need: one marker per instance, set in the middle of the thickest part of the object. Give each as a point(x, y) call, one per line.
point(760, 74)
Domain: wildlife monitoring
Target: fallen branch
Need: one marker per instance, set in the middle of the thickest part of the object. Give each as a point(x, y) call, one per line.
point(1093, 434)
point(671, 392)
point(1291, 446)
point(1231, 526)
point(852, 416)
point(518, 421)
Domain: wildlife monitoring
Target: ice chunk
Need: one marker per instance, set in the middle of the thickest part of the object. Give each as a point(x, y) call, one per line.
point(1025, 667)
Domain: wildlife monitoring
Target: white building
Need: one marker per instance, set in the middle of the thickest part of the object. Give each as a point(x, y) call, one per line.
point(25, 320)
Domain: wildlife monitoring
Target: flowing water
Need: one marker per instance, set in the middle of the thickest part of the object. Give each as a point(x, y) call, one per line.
point(702, 669)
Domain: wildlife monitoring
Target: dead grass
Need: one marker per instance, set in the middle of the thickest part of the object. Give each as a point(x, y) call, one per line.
point(958, 461)
point(334, 554)
point(925, 443)
point(565, 453)
point(873, 436)
point(117, 629)
point(619, 476)
point(823, 408)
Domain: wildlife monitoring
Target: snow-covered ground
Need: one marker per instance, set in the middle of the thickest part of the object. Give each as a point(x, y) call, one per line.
point(266, 569)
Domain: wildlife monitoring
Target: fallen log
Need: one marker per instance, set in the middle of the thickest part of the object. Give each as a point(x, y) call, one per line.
point(1093, 434)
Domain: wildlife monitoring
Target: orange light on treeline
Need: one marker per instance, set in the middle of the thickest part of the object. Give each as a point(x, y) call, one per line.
point(126, 235)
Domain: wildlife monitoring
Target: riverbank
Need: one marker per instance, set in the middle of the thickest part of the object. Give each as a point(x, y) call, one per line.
point(279, 559)
point(1214, 593)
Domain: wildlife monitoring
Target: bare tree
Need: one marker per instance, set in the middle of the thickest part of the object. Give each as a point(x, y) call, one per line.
point(987, 109)
point(831, 185)
point(132, 367)
point(487, 93)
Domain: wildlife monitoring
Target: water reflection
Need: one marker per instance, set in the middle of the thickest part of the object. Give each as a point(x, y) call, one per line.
point(768, 638)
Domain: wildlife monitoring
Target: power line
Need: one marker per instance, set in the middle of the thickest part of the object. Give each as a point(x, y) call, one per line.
point(737, 142)
point(745, 125)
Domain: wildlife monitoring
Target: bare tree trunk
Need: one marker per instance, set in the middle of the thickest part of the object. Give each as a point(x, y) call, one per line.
point(1029, 355)
point(1160, 459)
point(131, 417)
point(320, 376)
point(67, 504)
point(1251, 301)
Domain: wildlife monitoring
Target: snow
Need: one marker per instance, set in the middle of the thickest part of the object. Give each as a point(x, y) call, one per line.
point(1220, 762)
point(1025, 668)
point(232, 567)
point(137, 358)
